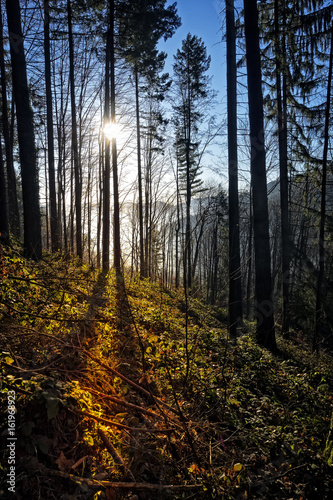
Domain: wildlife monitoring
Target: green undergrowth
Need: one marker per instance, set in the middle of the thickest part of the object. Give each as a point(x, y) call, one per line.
point(131, 390)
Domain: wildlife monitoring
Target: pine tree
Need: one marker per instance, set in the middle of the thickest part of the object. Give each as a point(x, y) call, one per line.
point(191, 87)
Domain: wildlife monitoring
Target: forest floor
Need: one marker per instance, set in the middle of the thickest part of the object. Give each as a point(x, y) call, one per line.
point(136, 393)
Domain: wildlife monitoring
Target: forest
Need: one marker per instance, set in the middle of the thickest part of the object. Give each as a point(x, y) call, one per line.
point(166, 252)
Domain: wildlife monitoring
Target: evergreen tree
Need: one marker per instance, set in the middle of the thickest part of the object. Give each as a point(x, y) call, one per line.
point(191, 86)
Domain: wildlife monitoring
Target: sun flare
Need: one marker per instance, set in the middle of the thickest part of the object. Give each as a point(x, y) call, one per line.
point(111, 130)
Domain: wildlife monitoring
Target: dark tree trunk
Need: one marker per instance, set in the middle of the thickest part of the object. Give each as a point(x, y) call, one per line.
point(283, 157)
point(235, 286)
point(141, 243)
point(4, 225)
point(55, 242)
point(13, 210)
point(319, 295)
point(75, 151)
point(263, 284)
point(116, 210)
point(26, 137)
point(107, 162)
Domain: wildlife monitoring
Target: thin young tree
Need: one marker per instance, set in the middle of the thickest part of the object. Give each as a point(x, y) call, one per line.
point(235, 286)
point(321, 242)
point(264, 308)
point(142, 23)
point(26, 136)
point(4, 222)
point(75, 150)
point(50, 133)
point(107, 159)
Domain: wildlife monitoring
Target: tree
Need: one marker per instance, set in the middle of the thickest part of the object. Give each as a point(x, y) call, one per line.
point(116, 209)
point(4, 224)
point(281, 94)
point(75, 152)
point(141, 25)
point(191, 83)
point(235, 286)
point(13, 215)
point(263, 283)
point(321, 273)
point(107, 162)
point(26, 136)
point(50, 135)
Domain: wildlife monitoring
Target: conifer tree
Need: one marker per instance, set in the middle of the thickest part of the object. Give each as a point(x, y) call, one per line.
point(191, 63)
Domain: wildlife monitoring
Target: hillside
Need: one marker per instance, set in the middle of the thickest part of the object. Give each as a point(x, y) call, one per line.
point(135, 392)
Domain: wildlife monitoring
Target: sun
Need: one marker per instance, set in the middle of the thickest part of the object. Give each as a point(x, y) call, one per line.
point(111, 130)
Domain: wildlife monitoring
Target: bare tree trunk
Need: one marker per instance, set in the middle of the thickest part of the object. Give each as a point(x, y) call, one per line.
point(264, 308)
point(142, 262)
point(116, 209)
point(4, 224)
point(284, 202)
point(13, 210)
point(75, 151)
point(50, 135)
point(26, 137)
point(107, 161)
point(235, 286)
point(319, 295)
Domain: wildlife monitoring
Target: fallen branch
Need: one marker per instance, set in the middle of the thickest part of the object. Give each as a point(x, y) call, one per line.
point(123, 403)
point(128, 381)
point(121, 426)
point(119, 485)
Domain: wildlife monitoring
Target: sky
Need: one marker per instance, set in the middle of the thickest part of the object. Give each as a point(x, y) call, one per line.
point(201, 18)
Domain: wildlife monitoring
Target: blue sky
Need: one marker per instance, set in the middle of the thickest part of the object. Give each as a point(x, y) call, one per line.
point(201, 18)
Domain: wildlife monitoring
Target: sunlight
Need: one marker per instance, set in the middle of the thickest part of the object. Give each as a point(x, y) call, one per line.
point(111, 130)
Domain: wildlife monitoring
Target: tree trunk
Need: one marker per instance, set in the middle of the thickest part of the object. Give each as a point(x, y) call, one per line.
point(263, 285)
point(55, 243)
point(116, 210)
point(283, 157)
point(321, 243)
point(75, 151)
point(13, 210)
point(26, 136)
point(107, 161)
point(235, 286)
point(142, 263)
point(4, 225)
